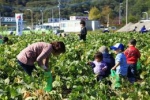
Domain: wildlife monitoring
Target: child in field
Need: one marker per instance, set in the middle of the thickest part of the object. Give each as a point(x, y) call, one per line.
point(39, 52)
point(83, 31)
point(132, 55)
point(98, 66)
point(120, 61)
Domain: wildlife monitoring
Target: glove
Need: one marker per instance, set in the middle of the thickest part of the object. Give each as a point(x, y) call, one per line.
point(44, 67)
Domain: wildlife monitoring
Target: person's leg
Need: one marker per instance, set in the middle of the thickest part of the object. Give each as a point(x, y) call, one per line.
point(131, 73)
point(101, 78)
point(135, 71)
point(84, 37)
point(28, 69)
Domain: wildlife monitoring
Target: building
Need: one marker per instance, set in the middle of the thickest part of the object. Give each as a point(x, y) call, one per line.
point(55, 20)
point(74, 25)
point(79, 18)
point(9, 21)
point(56, 24)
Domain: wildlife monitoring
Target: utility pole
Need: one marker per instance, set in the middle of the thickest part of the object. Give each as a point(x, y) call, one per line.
point(42, 15)
point(52, 19)
point(0, 19)
point(120, 6)
point(59, 11)
point(108, 20)
point(31, 18)
point(126, 12)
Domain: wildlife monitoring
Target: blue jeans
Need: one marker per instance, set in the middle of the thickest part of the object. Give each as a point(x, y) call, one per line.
point(27, 68)
point(131, 72)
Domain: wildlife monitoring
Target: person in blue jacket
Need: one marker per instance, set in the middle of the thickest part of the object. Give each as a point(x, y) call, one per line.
point(107, 58)
point(143, 29)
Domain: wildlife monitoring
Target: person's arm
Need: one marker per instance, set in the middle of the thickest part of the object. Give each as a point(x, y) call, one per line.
point(126, 52)
point(138, 52)
point(105, 68)
point(45, 63)
point(118, 60)
point(44, 54)
point(117, 64)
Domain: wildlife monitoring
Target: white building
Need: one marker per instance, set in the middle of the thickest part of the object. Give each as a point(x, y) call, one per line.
point(55, 20)
point(56, 24)
point(74, 25)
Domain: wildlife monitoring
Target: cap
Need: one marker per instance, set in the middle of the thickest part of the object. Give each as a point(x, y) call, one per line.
point(117, 46)
point(103, 49)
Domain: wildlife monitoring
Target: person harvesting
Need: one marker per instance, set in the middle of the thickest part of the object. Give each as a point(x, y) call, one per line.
point(39, 52)
point(132, 55)
point(98, 66)
point(120, 61)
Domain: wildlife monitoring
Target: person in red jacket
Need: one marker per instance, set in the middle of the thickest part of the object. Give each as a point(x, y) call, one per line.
point(132, 54)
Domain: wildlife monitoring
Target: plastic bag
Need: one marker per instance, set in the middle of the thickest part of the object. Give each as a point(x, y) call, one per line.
point(116, 77)
point(138, 66)
point(1, 41)
point(48, 77)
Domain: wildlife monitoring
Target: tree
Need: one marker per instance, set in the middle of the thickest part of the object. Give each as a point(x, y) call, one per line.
point(133, 19)
point(94, 14)
point(104, 14)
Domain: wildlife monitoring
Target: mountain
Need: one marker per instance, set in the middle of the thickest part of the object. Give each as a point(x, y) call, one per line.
point(71, 7)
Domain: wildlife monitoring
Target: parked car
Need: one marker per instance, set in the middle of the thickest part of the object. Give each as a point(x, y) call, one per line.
point(113, 28)
point(106, 29)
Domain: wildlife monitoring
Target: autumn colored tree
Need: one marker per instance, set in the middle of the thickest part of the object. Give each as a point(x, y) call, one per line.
point(105, 15)
point(94, 14)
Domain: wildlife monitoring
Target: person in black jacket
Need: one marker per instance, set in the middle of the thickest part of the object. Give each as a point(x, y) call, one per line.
point(107, 58)
point(83, 31)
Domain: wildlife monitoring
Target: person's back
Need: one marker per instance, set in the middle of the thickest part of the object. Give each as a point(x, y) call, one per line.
point(110, 62)
point(107, 58)
point(132, 54)
point(33, 51)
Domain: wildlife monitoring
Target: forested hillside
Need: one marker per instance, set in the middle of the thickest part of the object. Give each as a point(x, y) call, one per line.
point(73, 7)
